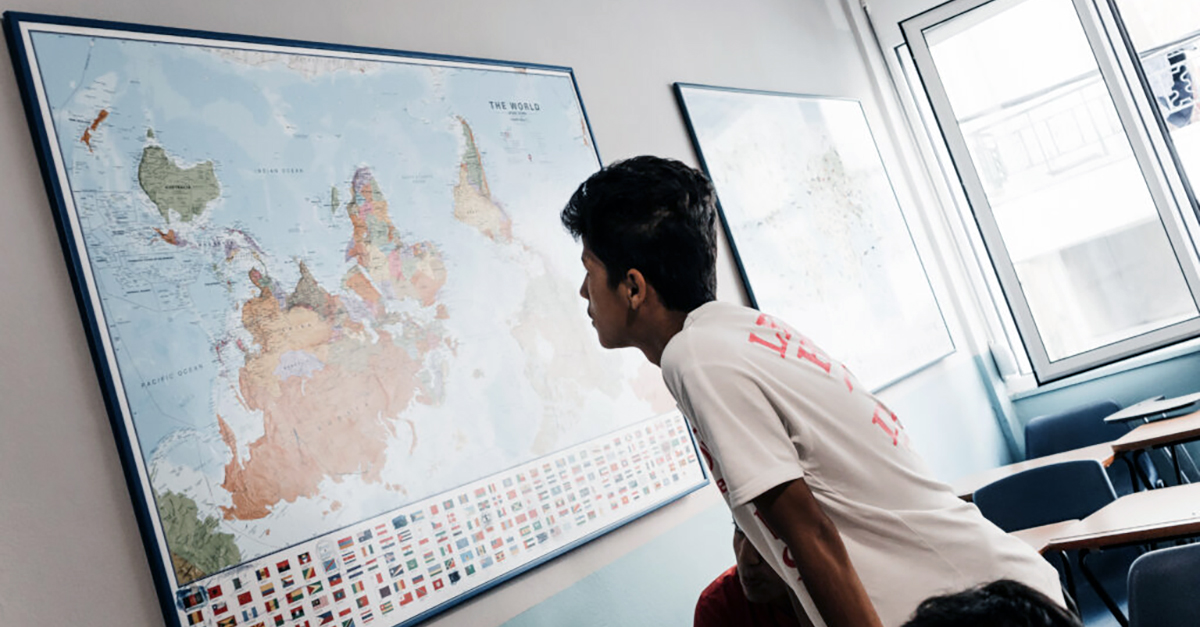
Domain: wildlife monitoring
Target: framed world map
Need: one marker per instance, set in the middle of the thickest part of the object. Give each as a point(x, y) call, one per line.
point(335, 317)
point(818, 234)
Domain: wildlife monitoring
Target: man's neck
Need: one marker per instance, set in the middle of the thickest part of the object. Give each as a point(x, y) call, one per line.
point(658, 334)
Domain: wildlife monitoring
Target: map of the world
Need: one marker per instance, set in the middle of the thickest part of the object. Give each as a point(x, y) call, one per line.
point(327, 285)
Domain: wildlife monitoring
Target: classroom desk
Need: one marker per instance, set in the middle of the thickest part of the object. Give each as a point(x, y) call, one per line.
point(1040, 538)
point(966, 486)
point(1142, 517)
point(1166, 432)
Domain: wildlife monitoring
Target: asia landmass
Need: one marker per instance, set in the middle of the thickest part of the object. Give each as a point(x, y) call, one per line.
point(331, 386)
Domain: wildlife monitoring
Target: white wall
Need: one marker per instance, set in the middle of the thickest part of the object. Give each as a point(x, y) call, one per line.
point(69, 549)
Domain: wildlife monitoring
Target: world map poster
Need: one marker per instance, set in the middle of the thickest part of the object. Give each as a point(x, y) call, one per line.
point(336, 317)
point(819, 236)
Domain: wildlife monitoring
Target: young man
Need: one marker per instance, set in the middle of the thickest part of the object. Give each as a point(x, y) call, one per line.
point(819, 474)
point(750, 594)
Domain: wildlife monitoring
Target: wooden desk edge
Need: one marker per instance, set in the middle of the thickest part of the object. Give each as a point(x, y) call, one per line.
point(965, 488)
point(1133, 535)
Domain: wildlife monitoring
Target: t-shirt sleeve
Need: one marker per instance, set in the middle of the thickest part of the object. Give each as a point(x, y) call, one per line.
point(741, 430)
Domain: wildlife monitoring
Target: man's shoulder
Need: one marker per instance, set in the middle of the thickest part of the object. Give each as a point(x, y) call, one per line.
point(714, 605)
point(713, 328)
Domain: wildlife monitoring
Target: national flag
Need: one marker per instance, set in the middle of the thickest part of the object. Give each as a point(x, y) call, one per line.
point(267, 588)
point(330, 564)
point(385, 592)
point(263, 573)
point(365, 535)
point(228, 621)
point(214, 591)
point(283, 566)
point(349, 557)
point(400, 521)
point(405, 535)
point(297, 612)
point(356, 587)
point(422, 592)
point(367, 616)
point(406, 599)
point(354, 572)
point(304, 558)
point(395, 571)
point(438, 584)
point(249, 613)
point(195, 618)
point(335, 579)
point(295, 595)
point(287, 581)
point(326, 618)
point(219, 608)
point(339, 595)
point(418, 579)
point(345, 612)
point(349, 622)
point(386, 607)
point(345, 543)
point(372, 564)
point(309, 572)
point(271, 605)
point(315, 587)
point(193, 599)
point(361, 602)
point(320, 602)
point(279, 620)
point(245, 598)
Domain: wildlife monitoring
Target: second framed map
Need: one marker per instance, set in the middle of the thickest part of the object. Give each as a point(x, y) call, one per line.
point(814, 223)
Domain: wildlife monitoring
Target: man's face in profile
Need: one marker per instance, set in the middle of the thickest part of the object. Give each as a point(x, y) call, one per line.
point(760, 584)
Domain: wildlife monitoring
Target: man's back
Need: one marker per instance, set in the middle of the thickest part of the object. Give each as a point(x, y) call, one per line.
point(769, 407)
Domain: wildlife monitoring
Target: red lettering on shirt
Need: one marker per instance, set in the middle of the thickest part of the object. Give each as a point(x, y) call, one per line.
point(780, 348)
point(705, 453)
point(787, 558)
point(890, 424)
point(721, 486)
point(814, 355)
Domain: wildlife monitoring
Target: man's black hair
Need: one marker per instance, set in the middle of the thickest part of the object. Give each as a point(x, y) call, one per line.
point(654, 215)
point(1002, 603)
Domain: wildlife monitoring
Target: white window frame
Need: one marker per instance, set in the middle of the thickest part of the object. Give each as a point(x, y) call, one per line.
point(1164, 182)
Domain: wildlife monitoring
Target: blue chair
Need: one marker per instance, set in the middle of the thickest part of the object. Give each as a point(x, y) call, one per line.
point(1054, 493)
point(1161, 585)
point(1085, 426)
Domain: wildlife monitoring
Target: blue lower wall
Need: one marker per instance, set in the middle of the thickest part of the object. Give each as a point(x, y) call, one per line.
point(656, 584)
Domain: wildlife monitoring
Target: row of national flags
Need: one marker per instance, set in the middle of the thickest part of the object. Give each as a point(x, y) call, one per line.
point(398, 565)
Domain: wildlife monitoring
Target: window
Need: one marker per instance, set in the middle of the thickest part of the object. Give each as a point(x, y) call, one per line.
point(1073, 156)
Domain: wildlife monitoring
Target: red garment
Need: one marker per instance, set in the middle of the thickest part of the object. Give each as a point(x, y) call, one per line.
point(723, 604)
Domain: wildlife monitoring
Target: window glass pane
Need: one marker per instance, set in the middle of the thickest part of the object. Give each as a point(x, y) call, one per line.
point(1073, 209)
point(1166, 34)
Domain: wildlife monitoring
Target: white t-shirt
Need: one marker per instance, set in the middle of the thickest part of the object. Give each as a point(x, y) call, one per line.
point(767, 406)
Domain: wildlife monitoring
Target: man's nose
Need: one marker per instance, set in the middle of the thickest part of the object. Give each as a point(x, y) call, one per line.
point(583, 293)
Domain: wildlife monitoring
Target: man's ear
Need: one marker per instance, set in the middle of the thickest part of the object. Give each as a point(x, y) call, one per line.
point(636, 288)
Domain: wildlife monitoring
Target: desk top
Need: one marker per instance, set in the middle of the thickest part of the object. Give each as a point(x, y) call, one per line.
point(1040, 537)
point(1160, 433)
point(1146, 516)
point(966, 486)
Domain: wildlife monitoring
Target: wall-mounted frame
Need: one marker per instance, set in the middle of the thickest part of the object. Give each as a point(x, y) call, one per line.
point(330, 307)
point(815, 227)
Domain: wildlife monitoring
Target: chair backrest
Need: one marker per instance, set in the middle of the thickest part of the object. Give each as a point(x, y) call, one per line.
point(1071, 429)
point(1045, 495)
point(1161, 585)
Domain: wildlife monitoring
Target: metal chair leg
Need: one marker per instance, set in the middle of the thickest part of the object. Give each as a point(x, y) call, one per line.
point(1100, 591)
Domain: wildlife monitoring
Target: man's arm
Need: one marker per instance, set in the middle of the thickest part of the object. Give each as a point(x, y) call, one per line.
point(794, 515)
